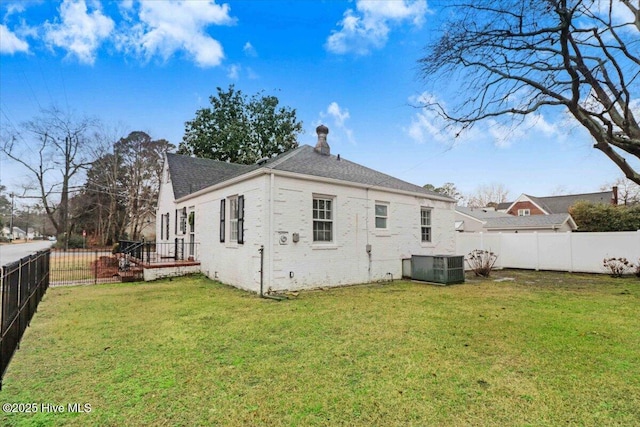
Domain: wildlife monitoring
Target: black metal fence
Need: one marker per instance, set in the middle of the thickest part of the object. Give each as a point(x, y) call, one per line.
point(84, 267)
point(24, 283)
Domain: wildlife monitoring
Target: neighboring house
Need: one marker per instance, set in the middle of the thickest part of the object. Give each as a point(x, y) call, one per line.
point(18, 233)
point(303, 219)
point(474, 219)
point(526, 205)
point(489, 220)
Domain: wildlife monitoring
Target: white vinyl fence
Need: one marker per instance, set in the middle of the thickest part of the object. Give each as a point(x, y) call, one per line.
point(573, 252)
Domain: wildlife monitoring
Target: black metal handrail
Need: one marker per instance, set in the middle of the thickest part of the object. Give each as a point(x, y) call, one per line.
point(159, 252)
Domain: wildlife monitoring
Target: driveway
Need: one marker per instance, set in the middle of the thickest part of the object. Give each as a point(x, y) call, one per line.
point(13, 252)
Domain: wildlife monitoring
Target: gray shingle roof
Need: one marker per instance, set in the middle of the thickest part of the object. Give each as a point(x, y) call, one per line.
point(191, 174)
point(561, 204)
point(535, 221)
point(481, 213)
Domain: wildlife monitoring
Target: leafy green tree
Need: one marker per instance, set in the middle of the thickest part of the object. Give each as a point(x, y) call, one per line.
point(122, 188)
point(604, 217)
point(239, 129)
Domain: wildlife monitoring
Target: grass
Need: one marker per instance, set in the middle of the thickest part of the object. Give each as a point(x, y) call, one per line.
point(545, 349)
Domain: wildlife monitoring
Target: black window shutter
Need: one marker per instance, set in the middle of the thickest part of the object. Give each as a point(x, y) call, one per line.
point(161, 227)
point(222, 220)
point(166, 225)
point(176, 222)
point(240, 219)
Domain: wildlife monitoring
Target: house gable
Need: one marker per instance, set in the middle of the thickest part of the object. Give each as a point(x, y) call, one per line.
point(526, 202)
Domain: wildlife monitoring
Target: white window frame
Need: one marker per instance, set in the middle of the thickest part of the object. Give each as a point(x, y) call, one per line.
point(524, 212)
point(319, 215)
point(381, 216)
point(426, 225)
point(233, 218)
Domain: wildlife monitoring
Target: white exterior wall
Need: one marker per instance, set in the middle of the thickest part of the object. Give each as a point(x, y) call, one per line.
point(231, 263)
point(283, 204)
point(306, 264)
point(574, 252)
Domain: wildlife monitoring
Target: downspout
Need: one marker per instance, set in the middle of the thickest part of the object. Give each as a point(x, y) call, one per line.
point(262, 294)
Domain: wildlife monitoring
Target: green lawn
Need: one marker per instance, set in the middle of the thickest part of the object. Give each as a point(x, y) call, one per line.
point(547, 349)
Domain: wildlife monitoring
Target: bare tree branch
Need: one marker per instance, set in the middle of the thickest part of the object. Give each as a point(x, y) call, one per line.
point(578, 55)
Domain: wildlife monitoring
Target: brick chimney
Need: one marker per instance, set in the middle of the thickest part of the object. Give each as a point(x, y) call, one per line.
point(614, 198)
point(322, 147)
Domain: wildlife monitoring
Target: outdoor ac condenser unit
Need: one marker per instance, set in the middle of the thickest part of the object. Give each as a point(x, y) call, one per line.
point(445, 269)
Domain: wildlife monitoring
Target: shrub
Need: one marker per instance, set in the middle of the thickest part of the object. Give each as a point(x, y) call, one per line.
point(75, 242)
point(481, 262)
point(617, 267)
point(637, 269)
point(603, 217)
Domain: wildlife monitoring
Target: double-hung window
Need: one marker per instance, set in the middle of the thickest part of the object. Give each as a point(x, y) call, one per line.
point(322, 219)
point(233, 219)
point(425, 224)
point(236, 219)
point(382, 215)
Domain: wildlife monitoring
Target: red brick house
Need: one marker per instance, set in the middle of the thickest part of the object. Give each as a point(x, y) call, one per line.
point(526, 204)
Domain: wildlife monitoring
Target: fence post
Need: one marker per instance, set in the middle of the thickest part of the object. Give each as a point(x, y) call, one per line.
point(95, 268)
point(175, 249)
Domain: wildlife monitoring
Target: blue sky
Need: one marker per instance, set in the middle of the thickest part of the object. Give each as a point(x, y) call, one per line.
point(351, 65)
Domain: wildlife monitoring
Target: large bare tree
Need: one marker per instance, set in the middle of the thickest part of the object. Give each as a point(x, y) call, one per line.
point(54, 147)
point(513, 58)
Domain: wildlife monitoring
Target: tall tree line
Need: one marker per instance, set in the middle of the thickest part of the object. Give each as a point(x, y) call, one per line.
point(121, 191)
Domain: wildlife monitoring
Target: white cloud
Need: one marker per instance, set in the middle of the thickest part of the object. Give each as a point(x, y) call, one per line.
point(368, 26)
point(10, 43)
point(79, 31)
point(249, 50)
point(14, 8)
point(339, 116)
point(337, 113)
point(167, 27)
point(234, 71)
point(427, 126)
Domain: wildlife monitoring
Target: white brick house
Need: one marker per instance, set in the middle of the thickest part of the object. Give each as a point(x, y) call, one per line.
point(321, 220)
